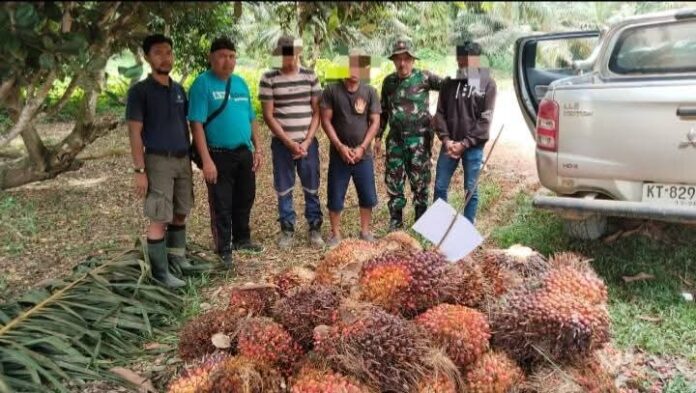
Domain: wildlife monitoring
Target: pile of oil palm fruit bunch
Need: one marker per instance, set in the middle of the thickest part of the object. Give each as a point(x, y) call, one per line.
point(389, 316)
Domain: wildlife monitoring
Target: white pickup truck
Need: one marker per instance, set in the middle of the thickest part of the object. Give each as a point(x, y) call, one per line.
point(615, 125)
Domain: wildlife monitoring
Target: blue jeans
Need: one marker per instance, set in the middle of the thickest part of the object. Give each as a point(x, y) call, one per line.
point(340, 173)
point(307, 168)
point(471, 163)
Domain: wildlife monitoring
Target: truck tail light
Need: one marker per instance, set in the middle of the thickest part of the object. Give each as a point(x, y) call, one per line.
point(547, 125)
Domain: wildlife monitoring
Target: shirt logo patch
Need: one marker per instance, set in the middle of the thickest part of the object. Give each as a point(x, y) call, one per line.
point(360, 105)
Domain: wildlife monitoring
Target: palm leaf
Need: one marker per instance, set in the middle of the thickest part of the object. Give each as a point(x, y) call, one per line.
point(73, 330)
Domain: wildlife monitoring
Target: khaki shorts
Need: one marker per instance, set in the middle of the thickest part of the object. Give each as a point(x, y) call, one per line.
point(169, 188)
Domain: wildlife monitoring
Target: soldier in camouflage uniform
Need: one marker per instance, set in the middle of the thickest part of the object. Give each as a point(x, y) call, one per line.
point(405, 107)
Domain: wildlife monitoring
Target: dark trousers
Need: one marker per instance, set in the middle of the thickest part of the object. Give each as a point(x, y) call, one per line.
point(232, 197)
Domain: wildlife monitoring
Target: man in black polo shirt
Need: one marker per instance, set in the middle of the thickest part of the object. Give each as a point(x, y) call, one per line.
point(159, 138)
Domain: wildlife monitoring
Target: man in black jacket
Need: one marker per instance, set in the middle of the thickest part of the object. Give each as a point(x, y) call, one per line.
point(464, 113)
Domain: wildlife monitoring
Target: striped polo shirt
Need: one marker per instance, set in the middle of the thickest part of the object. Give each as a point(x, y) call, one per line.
point(291, 96)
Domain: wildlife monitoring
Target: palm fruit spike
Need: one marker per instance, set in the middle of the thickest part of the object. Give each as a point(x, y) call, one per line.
point(250, 298)
point(532, 326)
point(399, 240)
point(305, 308)
point(465, 284)
point(493, 373)
point(436, 384)
point(461, 331)
point(263, 340)
point(196, 378)
point(242, 375)
point(406, 283)
point(569, 273)
point(311, 380)
point(195, 337)
point(512, 267)
point(341, 265)
point(384, 351)
point(291, 278)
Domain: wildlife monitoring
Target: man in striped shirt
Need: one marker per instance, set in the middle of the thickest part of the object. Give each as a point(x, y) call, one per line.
point(290, 100)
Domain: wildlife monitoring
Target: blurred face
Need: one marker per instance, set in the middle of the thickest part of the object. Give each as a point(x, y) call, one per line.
point(403, 63)
point(222, 61)
point(359, 68)
point(160, 58)
point(291, 61)
point(468, 61)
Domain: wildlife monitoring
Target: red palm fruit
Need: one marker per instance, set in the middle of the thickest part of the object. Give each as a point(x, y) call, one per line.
point(243, 375)
point(195, 336)
point(255, 299)
point(461, 331)
point(306, 308)
point(341, 265)
point(326, 381)
point(196, 378)
point(266, 341)
point(493, 373)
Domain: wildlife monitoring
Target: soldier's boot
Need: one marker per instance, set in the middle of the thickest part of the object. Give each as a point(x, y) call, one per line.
point(419, 211)
point(176, 247)
point(396, 222)
point(160, 265)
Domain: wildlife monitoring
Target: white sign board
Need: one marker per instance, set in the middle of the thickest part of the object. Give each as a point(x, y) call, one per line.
point(462, 239)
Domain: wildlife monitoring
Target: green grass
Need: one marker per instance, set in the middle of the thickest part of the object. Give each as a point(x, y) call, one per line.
point(675, 333)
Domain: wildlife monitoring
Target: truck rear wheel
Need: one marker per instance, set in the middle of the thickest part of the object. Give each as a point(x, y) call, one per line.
point(590, 228)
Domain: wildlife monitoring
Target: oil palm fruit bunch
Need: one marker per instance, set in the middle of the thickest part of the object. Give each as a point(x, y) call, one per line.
point(399, 240)
point(266, 341)
point(196, 378)
point(461, 331)
point(464, 283)
point(513, 267)
point(532, 326)
point(569, 273)
point(436, 384)
point(195, 337)
point(312, 380)
point(290, 278)
point(494, 372)
point(240, 374)
point(384, 351)
point(254, 299)
point(404, 283)
point(341, 265)
point(305, 308)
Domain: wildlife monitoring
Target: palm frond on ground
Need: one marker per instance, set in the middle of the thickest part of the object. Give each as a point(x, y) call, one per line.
point(74, 329)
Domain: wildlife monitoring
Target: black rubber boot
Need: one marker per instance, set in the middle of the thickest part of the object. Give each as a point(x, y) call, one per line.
point(396, 223)
point(157, 251)
point(176, 246)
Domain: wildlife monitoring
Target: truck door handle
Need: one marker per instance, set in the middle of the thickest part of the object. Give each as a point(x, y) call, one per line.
point(686, 112)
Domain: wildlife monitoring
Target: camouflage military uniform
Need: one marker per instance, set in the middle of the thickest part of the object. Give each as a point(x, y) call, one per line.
point(405, 107)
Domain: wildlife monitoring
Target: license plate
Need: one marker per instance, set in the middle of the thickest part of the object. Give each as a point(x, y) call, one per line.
point(670, 194)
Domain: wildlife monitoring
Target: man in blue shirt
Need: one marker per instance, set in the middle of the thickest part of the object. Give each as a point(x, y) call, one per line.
point(159, 139)
point(228, 146)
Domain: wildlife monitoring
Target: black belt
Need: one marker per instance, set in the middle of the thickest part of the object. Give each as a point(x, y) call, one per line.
point(167, 153)
point(227, 150)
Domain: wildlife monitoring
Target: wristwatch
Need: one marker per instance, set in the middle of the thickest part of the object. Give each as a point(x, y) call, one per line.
point(138, 170)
